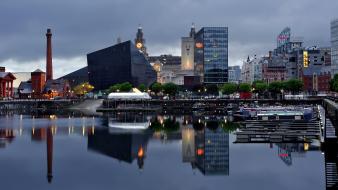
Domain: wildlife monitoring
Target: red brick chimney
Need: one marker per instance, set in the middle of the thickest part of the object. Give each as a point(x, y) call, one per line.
point(49, 64)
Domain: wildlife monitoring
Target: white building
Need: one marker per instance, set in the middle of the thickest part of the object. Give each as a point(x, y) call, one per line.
point(334, 46)
point(187, 53)
point(252, 70)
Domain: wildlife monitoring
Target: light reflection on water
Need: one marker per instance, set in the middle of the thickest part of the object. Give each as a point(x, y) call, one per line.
point(174, 152)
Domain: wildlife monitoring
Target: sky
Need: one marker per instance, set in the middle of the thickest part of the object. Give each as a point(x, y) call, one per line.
point(83, 26)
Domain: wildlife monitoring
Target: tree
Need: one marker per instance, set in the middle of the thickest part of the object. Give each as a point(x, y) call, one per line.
point(126, 87)
point(212, 88)
point(120, 87)
point(156, 87)
point(244, 87)
point(261, 87)
point(170, 88)
point(229, 88)
point(334, 83)
point(275, 87)
point(142, 87)
point(294, 85)
point(83, 88)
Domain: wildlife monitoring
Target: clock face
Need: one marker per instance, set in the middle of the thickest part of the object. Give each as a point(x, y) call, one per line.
point(139, 45)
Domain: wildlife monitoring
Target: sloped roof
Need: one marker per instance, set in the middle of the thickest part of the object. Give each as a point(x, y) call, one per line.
point(5, 74)
point(38, 71)
point(57, 85)
point(25, 87)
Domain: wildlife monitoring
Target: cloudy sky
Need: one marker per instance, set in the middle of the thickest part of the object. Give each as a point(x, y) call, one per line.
point(83, 26)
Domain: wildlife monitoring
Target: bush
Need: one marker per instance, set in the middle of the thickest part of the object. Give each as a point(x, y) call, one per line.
point(244, 87)
point(228, 88)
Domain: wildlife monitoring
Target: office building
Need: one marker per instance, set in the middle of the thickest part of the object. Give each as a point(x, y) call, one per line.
point(211, 55)
point(119, 63)
point(234, 74)
point(334, 46)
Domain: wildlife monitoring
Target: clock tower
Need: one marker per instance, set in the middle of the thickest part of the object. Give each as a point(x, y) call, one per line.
point(140, 41)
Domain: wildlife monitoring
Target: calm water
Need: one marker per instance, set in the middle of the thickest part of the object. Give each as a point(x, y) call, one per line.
point(57, 152)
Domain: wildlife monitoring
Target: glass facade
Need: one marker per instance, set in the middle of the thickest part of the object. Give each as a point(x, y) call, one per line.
point(214, 157)
point(211, 54)
point(334, 46)
point(117, 64)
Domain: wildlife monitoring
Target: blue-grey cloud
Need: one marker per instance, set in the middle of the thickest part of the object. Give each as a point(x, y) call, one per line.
point(82, 26)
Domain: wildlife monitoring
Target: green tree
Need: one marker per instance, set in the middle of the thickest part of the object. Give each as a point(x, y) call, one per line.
point(114, 88)
point(256, 81)
point(142, 87)
point(275, 87)
point(244, 87)
point(120, 87)
point(156, 87)
point(261, 87)
point(83, 88)
point(125, 87)
point(294, 85)
point(170, 88)
point(334, 83)
point(228, 88)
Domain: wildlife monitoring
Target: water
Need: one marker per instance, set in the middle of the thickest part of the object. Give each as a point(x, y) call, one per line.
point(58, 152)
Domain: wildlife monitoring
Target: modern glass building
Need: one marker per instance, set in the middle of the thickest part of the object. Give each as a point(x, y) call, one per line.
point(212, 150)
point(211, 55)
point(122, 62)
point(334, 46)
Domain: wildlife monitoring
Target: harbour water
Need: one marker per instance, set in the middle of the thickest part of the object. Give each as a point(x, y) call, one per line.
point(174, 152)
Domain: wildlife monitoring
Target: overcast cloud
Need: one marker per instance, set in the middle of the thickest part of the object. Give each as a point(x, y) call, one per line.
point(83, 26)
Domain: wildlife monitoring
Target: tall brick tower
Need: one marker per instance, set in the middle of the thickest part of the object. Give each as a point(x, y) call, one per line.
point(49, 64)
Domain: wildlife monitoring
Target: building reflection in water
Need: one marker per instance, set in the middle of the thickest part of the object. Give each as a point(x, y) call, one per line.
point(288, 151)
point(41, 134)
point(206, 148)
point(6, 137)
point(49, 154)
point(125, 147)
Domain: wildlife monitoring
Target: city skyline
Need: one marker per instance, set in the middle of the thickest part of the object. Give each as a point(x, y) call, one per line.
point(253, 27)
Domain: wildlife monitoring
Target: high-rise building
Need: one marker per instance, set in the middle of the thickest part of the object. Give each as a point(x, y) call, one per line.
point(140, 41)
point(287, 43)
point(211, 55)
point(119, 63)
point(234, 74)
point(187, 51)
point(334, 46)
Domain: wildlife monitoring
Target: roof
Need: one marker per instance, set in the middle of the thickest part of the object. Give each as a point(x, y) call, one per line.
point(25, 88)
point(5, 74)
point(57, 85)
point(38, 71)
point(129, 96)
